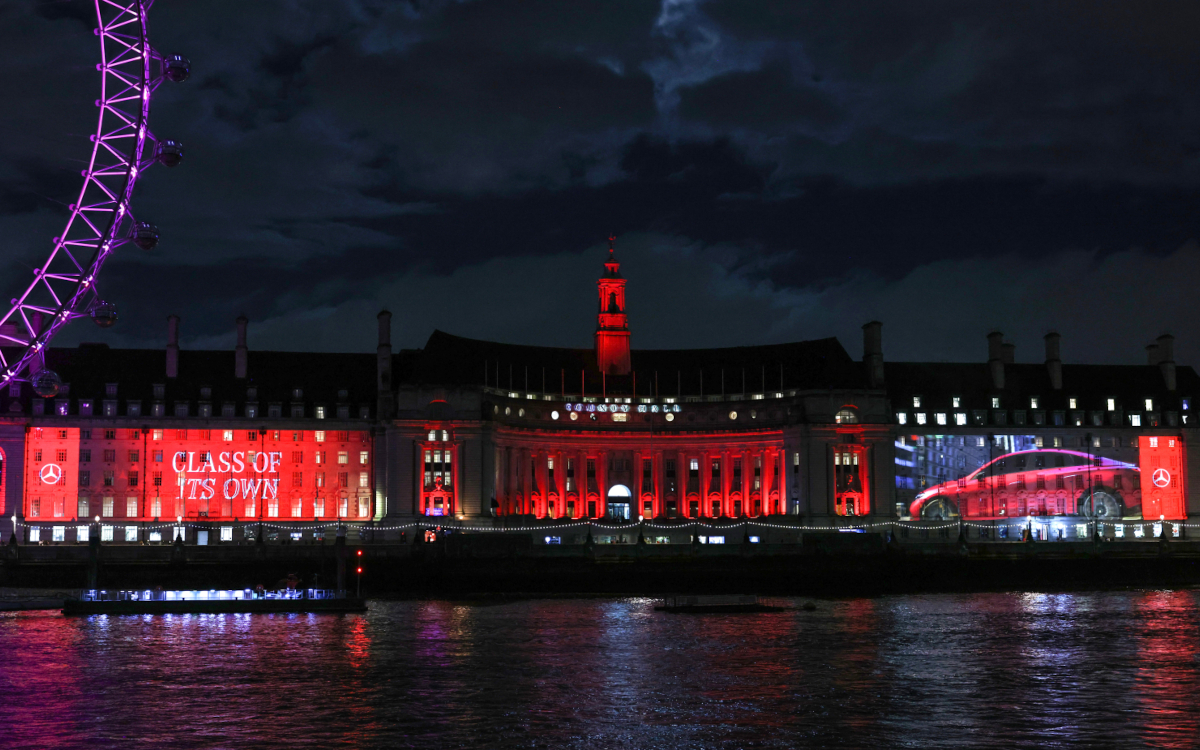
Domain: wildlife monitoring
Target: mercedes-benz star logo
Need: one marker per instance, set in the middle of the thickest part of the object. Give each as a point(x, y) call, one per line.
point(1161, 477)
point(51, 473)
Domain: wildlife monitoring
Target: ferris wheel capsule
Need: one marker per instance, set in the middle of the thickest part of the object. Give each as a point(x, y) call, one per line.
point(169, 153)
point(177, 68)
point(145, 235)
point(47, 384)
point(104, 314)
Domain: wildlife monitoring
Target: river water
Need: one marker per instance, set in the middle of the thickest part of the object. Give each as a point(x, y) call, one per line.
point(954, 671)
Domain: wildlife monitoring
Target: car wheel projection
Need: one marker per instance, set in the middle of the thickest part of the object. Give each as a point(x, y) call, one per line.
point(939, 509)
point(1107, 506)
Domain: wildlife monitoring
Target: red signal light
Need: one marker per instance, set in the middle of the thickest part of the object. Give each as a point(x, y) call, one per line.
point(360, 553)
point(360, 571)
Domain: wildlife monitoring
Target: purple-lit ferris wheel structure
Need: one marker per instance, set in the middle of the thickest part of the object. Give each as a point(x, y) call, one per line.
point(66, 287)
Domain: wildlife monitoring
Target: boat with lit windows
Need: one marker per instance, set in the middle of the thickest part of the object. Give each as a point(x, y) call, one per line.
point(212, 601)
point(717, 604)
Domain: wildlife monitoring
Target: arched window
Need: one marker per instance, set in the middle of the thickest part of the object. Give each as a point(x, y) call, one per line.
point(619, 501)
point(848, 415)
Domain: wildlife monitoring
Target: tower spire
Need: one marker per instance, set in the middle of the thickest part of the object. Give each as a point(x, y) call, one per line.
point(612, 326)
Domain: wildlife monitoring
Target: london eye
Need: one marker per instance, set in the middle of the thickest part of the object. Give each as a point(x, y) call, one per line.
point(66, 286)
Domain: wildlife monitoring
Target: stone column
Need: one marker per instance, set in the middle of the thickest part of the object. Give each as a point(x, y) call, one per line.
point(726, 481)
point(681, 482)
point(656, 480)
point(768, 476)
point(783, 469)
point(543, 483)
point(510, 466)
point(560, 481)
point(746, 469)
point(602, 482)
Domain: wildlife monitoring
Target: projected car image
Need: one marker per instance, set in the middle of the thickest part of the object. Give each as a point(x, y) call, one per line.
point(1037, 483)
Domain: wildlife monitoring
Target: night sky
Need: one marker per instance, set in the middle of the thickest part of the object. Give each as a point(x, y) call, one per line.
point(773, 171)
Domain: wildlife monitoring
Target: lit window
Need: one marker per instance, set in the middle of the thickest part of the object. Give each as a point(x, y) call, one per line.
point(320, 436)
point(1112, 404)
point(1038, 442)
point(445, 436)
point(106, 533)
point(227, 435)
point(131, 533)
point(716, 540)
point(916, 402)
point(1072, 404)
point(960, 418)
point(320, 412)
point(1135, 420)
point(364, 479)
point(1058, 442)
point(343, 457)
point(432, 435)
point(957, 402)
point(1153, 442)
point(941, 418)
point(59, 534)
point(364, 457)
point(902, 418)
point(1033, 402)
point(920, 417)
point(226, 533)
point(995, 402)
point(1187, 402)
point(1149, 404)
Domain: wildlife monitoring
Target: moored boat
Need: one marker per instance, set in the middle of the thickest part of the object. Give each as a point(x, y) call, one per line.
point(717, 604)
point(212, 601)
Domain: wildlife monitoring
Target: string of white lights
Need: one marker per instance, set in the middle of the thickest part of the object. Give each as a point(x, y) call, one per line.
point(593, 524)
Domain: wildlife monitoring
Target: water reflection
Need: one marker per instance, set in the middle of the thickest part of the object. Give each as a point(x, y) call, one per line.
point(1166, 682)
point(1018, 670)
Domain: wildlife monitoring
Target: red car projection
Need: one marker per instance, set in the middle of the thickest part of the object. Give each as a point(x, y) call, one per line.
point(1037, 483)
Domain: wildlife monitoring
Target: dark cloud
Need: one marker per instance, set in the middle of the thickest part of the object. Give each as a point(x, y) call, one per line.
point(774, 169)
point(771, 100)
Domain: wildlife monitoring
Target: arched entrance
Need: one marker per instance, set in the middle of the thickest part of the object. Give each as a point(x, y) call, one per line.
point(619, 501)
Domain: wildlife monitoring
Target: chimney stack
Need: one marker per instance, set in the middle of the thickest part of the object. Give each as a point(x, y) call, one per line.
point(1054, 360)
point(873, 353)
point(240, 353)
point(1010, 352)
point(996, 359)
point(1166, 359)
point(383, 365)
point(172, 346)
point(1152, 354)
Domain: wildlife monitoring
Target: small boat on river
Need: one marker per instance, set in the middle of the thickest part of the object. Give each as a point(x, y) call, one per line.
point(717, 604)
point(212, 601)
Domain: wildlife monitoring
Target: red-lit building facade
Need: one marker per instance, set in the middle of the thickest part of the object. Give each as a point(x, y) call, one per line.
point(494, 433)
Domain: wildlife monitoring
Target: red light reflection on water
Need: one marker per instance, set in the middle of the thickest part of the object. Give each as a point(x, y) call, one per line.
point(181, 679)
point(1167, 680)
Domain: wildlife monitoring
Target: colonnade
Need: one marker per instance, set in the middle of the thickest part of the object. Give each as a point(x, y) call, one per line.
point(574, 482)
